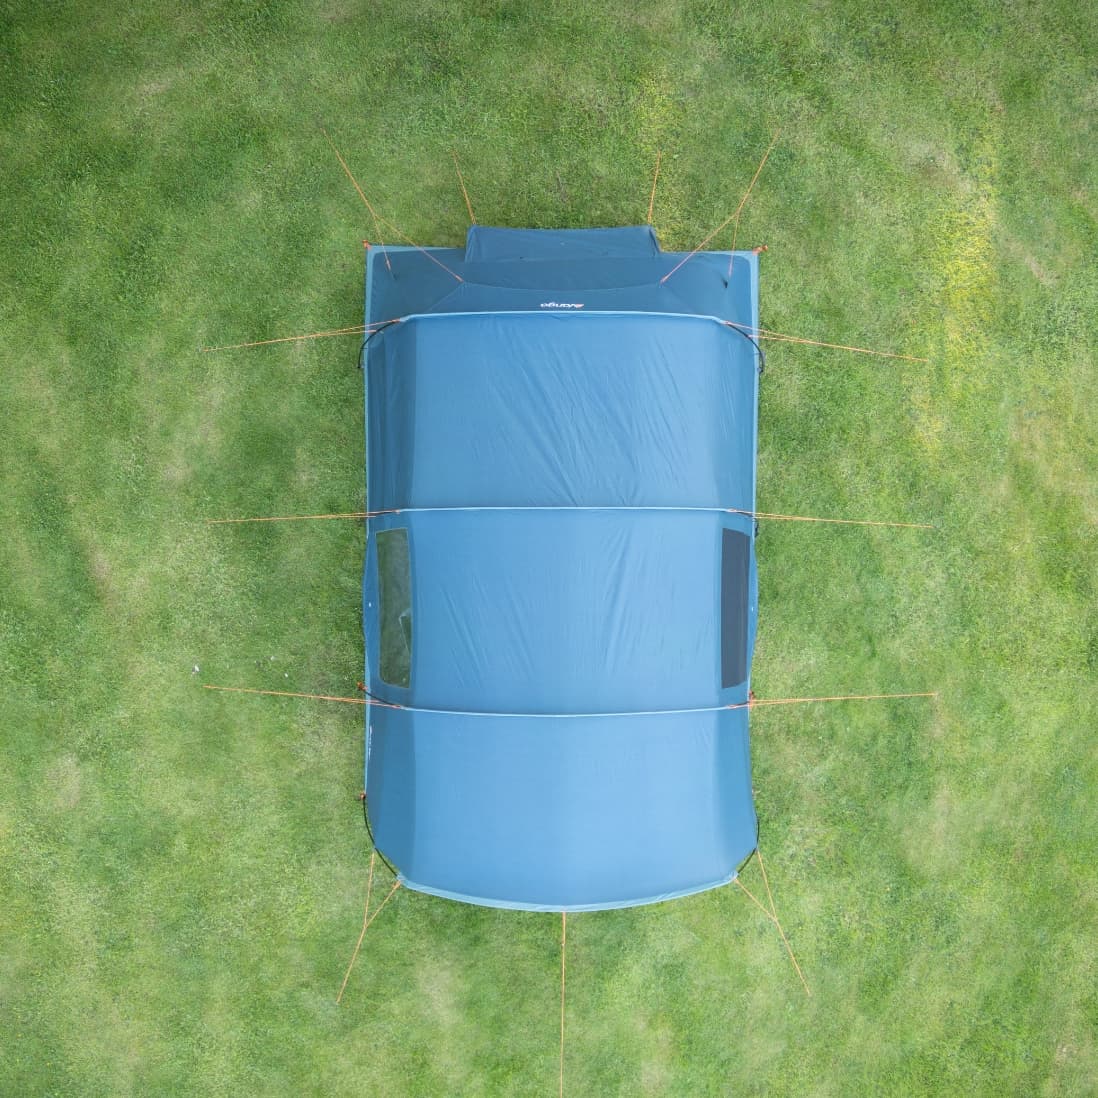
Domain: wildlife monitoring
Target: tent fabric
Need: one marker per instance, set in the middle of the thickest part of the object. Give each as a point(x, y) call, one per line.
point(564, 409)
point(562, 610)
point(404, 281)
point(620, 810)
point(485, 243)
point(563, 442)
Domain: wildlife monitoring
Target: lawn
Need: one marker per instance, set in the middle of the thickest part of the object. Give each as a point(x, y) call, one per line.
point(182, 874)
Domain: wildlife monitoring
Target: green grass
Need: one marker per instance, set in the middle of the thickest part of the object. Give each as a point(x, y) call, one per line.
point(182, 874)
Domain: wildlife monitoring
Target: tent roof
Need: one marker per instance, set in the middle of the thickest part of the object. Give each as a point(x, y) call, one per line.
point(533, 611)
point(572, 605)
point(562, 409)
point(562, 812)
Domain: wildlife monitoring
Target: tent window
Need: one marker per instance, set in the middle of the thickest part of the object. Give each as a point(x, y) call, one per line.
point(735, 563)
point(394, 571)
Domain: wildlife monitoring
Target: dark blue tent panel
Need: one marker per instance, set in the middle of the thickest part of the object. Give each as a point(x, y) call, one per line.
point(491, 245)
point(559, 598)
point(559, 269)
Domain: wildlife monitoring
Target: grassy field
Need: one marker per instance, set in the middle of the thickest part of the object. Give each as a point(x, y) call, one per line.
point(182, 875)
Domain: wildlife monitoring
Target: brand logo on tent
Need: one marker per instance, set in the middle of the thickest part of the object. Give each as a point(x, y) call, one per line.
point(562, 305)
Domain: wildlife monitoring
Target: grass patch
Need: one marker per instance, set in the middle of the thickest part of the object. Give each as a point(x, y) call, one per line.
point(182, 874)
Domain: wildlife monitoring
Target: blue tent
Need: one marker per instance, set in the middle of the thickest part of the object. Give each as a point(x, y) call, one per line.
point(559, 597)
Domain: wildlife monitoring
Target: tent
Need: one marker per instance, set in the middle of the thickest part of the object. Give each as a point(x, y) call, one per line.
point(560, 595)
